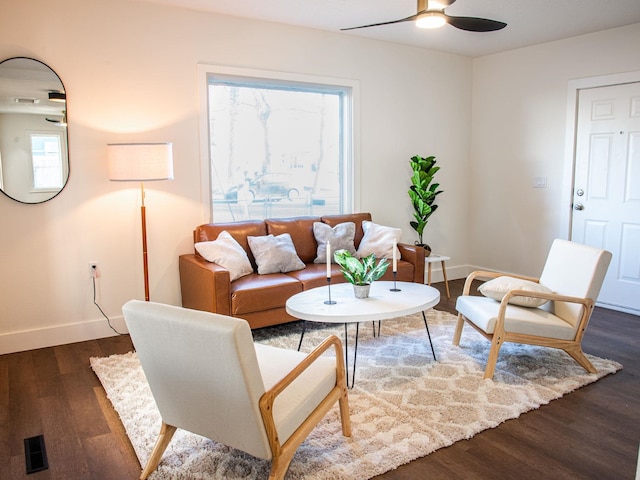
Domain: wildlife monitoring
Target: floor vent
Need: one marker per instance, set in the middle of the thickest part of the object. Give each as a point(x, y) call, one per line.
point(35, 454)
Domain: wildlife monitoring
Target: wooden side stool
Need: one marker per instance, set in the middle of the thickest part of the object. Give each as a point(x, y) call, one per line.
point(434, 257)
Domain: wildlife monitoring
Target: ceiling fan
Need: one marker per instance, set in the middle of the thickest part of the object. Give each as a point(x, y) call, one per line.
point(431, 15)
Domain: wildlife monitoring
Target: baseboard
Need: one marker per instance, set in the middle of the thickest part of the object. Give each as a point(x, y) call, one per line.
point(453, 272)
point(60, 335)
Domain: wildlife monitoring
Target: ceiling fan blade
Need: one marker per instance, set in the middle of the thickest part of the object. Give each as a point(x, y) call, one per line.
point(408, 19)
point(474, 24)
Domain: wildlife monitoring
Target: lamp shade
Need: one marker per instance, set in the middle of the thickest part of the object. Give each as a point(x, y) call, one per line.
point(140, 162)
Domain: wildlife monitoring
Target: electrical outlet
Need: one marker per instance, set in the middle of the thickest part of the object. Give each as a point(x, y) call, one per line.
point(93, 270)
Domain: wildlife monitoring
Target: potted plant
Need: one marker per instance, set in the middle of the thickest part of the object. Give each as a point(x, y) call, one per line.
point(360, 273)
point(423, 192)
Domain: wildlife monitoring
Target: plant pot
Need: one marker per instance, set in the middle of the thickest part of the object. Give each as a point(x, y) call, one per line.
point(426, 247)
point(361, 291)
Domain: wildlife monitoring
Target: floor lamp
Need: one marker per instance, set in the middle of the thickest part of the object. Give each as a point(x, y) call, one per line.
point(141, 162)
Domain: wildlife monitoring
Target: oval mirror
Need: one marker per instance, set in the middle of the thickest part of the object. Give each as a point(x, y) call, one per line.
point(34, 160)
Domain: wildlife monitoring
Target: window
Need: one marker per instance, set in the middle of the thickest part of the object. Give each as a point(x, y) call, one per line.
point(277, 147)
point(46, 161)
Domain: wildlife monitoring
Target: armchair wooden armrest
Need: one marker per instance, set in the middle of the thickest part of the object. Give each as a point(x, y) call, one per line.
point(338, 393)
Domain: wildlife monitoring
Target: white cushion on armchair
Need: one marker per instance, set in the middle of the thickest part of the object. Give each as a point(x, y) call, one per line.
point(298, 401)
point(529, 321)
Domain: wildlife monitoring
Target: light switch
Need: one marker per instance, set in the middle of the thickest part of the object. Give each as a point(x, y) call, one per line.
point(539, 182)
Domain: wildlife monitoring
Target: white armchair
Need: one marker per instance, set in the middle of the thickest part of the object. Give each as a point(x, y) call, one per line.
point(572, 275)
point(208, 377)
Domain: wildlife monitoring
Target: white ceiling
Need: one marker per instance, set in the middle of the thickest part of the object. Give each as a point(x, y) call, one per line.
point(529, 22)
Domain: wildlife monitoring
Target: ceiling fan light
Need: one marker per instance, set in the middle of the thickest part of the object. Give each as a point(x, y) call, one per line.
point(430, 20)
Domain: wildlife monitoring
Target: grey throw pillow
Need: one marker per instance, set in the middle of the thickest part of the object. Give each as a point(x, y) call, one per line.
point(340, 237)
point(275, 254)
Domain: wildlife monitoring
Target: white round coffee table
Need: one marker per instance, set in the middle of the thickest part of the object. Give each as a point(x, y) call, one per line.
point(383, 304)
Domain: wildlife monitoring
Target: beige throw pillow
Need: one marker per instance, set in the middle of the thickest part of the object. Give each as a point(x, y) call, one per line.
point(275, 254)
point(378, 239)
point(498, 288)
point(228, 253)
point(339, 237)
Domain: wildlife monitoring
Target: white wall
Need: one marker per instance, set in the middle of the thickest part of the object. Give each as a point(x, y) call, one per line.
point(130, 72)
point(519, 119)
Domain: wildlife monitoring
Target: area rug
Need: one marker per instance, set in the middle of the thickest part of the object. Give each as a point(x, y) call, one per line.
point(403, 405)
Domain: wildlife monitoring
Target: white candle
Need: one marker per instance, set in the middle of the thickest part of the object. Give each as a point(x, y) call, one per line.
point(395, 256)
point(328, 260)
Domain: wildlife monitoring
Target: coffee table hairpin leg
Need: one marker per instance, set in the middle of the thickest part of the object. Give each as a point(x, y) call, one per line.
point(346, 355)
point(424, 317)
point(346, 350)
point(355, 350)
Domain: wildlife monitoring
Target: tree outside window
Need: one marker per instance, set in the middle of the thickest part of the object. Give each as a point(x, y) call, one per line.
point(278, 149)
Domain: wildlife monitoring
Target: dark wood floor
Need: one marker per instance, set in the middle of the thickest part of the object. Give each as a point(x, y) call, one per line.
point(591, 433)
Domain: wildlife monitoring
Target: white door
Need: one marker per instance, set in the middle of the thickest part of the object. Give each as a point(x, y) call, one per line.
point(606, 193)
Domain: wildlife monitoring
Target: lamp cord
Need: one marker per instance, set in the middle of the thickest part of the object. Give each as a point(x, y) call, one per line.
point(93, 278)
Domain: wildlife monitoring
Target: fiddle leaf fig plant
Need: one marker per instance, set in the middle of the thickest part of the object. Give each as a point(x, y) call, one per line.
point(360, 272)
point(423, 192)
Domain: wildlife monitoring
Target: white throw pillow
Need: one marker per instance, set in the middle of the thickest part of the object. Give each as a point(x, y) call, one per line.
point(498, 288)
point(378, 239)
point(339, 237)
point(228, 253)
point(275, 254)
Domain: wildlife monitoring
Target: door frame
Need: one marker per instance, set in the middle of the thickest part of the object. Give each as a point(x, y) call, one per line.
point(573, 92)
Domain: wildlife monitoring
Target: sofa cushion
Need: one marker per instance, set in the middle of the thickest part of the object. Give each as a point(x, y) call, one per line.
point(275, 254)
point(378, 240)
point(257, 293)
point(228, 253)
point(339, 237)
point(499, 287)
point(301, 231)
point(315, 275)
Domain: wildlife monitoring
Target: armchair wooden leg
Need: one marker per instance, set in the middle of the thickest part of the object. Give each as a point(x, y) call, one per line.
point(166, 433)
point(458, 331)
point(280, 465)
point(578, 355)
point(345, 419)
point(496, 343)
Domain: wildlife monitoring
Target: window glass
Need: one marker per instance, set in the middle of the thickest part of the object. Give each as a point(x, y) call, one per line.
point(278, 149)
point(46, 158)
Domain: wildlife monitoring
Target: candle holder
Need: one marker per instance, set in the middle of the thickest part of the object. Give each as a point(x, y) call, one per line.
point(329, 302)
point(394, 289)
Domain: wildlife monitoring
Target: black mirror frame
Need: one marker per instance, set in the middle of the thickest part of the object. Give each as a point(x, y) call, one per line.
point(68, 160)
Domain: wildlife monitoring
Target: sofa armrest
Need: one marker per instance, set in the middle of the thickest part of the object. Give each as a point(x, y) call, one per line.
point(204, 285)
point(414, 255)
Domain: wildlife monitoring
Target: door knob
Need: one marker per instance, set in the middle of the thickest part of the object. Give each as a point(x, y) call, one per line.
point(578, 206)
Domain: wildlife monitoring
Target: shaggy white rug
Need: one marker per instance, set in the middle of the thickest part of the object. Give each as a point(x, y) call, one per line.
point(403, 406)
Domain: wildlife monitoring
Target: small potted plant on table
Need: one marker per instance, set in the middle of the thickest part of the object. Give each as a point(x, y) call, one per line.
point(360, 273)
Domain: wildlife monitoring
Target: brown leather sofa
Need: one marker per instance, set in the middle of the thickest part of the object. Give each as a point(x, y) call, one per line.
point(260, 299)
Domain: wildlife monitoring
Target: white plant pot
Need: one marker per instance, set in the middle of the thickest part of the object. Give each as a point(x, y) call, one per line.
point(361, 291)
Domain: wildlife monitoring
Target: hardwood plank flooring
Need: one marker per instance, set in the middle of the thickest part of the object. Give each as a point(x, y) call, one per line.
point(592, 433)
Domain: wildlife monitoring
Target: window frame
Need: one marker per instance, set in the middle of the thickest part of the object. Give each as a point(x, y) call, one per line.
point(351, 167)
